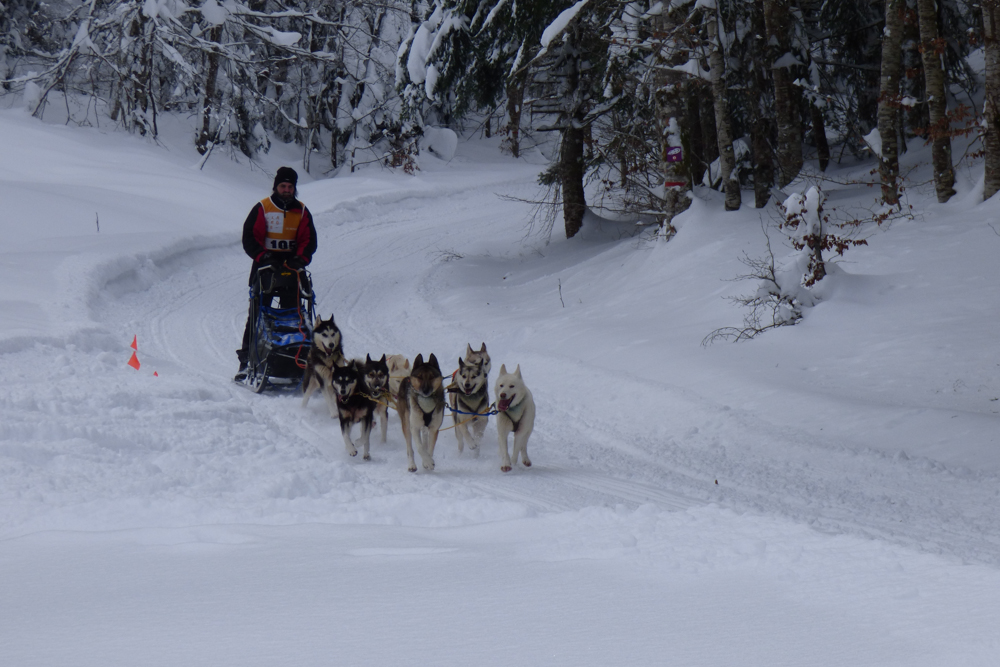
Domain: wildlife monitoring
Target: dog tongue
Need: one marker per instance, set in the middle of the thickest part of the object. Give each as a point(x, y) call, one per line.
point(503, 404)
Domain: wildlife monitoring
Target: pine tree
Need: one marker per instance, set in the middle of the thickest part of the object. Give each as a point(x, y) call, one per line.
point(507, 36)
point(565, 78)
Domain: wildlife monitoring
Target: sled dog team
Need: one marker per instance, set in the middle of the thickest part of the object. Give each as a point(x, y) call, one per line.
point(357, 391)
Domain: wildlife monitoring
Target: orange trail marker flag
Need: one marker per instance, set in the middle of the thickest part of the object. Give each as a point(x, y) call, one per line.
point(135, 343)
point(134, 362)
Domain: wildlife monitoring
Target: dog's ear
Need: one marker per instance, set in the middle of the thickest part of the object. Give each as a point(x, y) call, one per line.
point(419, 360)
point(368, 358)
point(461, 363)
point(482, 349)
point(468, 349)
point(432, 360)
point(503, 370)
point(382, 360)
point(517, 371)
point(406, 363)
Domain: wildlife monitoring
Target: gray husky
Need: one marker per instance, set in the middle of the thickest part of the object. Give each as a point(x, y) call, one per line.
point(420, 403)
point(469, 399)
point(472, 356)
point(325, 354)
point(515, 413)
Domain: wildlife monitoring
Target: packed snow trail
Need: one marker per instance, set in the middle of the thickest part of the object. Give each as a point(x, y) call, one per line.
point(191, 318)
point(596, 442)
point(744, 505)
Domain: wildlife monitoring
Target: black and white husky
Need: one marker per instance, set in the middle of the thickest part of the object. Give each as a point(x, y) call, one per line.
point(420, 403)
point(353, 406)
point(470, 400)
point(375, 375)
point(326, 353)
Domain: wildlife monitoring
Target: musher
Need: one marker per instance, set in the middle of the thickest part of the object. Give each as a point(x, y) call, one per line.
point(279, 230)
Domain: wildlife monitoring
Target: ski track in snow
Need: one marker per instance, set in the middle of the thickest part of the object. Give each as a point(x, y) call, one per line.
point(190, 443)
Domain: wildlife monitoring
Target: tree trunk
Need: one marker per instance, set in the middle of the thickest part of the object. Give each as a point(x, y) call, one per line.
point(778, 24)
point(709, 137)
point(819, 136)
point(693, 114)
point(515, 100)
point(915, 115)
point(762, 132)
point(571, 174)
point(723, 121)
point(669, 108)
point(937, 103)
point(991, 106)
point(207, 136)
point(889, 102)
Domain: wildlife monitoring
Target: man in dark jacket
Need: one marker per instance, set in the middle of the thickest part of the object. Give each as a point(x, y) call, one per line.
point(278, 230)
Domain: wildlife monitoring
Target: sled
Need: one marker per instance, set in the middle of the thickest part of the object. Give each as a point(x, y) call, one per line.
point(282, 310)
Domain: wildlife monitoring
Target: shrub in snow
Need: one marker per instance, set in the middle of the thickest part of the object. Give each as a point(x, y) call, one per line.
point(439, 141)
point(811, 232)
point(32, 96)
point(785, 289)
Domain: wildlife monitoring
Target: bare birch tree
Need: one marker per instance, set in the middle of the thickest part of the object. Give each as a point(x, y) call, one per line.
point(669, 106)
point(723, 121)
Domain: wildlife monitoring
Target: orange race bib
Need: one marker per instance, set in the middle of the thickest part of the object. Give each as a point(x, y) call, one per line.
point(282, 227)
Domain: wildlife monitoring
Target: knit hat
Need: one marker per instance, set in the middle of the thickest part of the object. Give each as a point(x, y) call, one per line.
point(285, 175)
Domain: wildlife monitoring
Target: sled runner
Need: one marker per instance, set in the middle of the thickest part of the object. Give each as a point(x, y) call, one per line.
point(282, 308)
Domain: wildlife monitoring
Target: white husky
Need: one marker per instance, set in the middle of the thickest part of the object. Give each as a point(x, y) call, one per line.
point(399, 367)
point(515, 412)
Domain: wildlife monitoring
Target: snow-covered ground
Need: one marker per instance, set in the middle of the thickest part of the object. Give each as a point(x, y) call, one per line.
point(824, 495)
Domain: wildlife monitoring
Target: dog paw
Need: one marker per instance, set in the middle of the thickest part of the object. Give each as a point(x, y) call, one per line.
point(368, 457)
point(527, 463)
point(505, 468)
point(412, 468)
point(352, 452)
point(429, 466)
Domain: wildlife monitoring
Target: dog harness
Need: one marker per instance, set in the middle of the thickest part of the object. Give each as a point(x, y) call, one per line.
point(514, 414)
point(473, 402)
point(282, 227)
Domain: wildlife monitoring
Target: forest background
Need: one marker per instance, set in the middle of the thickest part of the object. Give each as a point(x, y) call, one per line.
point(649, 99)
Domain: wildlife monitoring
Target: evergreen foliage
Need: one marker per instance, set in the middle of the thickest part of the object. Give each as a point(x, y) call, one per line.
point(616, 81)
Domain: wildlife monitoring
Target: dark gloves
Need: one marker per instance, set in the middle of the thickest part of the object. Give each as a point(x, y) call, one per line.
point(293, 262)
